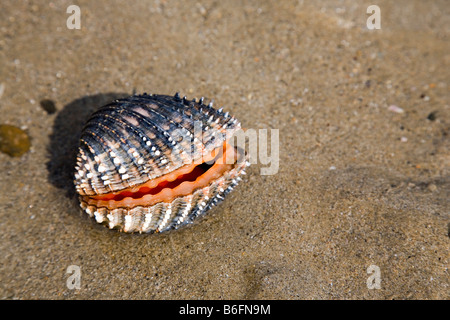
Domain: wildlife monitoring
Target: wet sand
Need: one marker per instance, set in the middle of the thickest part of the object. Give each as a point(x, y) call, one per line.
point(363, 119)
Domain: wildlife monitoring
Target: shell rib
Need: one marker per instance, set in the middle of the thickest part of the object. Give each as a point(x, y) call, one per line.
point(150, 143)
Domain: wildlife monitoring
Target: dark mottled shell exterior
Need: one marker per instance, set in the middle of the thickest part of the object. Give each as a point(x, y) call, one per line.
point(136, 139)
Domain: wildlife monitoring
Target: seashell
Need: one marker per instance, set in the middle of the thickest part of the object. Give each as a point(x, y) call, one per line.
point(151, 163)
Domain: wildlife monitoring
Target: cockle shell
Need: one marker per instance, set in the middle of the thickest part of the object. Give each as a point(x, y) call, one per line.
point(150, 163)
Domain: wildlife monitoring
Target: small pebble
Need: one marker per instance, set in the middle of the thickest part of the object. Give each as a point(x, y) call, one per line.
point(13, 141)
point(403, 139)
point(395, 109)
point(432, 116)
point(432, 187)
point(48, 105)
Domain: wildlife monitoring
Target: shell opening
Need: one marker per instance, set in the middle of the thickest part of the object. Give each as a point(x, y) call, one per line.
point(198, 171)
point(180, 182)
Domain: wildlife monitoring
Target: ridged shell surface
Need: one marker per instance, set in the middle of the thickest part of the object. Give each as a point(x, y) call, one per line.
point(134, 141)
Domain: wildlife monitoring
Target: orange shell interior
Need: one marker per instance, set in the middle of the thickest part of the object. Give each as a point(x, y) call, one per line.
point(180, 182)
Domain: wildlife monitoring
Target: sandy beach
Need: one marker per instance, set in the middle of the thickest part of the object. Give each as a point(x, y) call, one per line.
point(358, 207)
